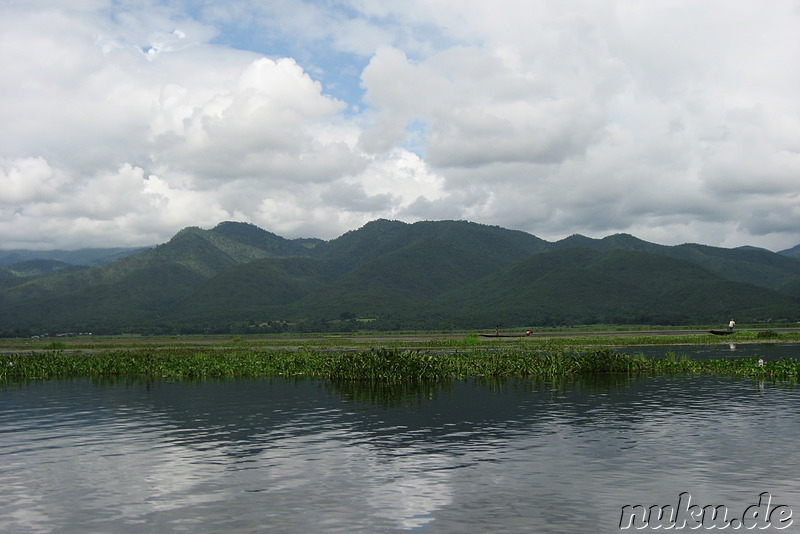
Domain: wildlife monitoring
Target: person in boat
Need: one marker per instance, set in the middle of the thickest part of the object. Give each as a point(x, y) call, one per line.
point(731, 325)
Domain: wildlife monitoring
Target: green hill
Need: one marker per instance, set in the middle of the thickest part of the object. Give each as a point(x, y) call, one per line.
point(29, 269)
point(90, 257)
point(387, 267)
point(793, 252)
point(252, 291)
point(617, 286)
point(239, 238)
point(390, 274)
point(750, 265)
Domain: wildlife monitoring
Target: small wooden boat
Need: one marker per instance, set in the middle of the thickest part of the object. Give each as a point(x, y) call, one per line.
point(721, 332)
point(506, 335)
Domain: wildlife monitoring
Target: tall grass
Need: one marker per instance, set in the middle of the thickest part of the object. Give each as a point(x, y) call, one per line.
point(378, 365)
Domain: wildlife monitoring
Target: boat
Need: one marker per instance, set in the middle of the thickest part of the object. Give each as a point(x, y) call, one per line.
point(721, 332)
point(497, 334)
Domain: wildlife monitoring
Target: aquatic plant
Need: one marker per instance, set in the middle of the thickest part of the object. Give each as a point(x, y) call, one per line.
point(380, 365)
point(768, 334)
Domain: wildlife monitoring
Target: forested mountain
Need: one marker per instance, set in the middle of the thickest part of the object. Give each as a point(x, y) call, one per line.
point(86, 256)
point(793, 252)
point(237, 277)
point(748, 264)
point(18, 273)
point(578, 285)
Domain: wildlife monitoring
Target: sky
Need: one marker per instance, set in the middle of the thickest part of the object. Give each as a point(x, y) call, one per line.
point(124, 121)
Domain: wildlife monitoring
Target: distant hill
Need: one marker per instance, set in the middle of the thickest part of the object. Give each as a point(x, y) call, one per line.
point(793, 252)
point(87, 256)
point(19, 273)
point(394, 267)
point(579, 286)
point(237, 278)
point(37, 268)
point(750, 265)
point(260, 242)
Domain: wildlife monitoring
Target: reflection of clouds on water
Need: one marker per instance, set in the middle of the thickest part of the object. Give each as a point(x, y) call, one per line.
point(410, 489)
point(115, 469)
point(646, 447)
point(105, 472)
point(345, 472)
point(517, 459)
point(20, 509)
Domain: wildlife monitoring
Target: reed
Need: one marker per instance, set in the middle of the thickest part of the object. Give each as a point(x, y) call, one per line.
point(378, 365)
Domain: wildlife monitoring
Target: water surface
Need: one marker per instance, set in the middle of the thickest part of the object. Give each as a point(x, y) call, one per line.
point(728, 350)
point(274, 455)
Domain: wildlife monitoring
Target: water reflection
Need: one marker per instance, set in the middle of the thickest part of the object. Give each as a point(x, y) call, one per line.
point(301, 456)
point(768, 351)
point(387, 394)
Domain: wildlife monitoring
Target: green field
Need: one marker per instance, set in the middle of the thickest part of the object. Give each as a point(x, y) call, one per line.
point(391, 357)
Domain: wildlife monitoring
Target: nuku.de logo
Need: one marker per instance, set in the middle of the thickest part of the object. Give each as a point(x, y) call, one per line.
point(692, 516)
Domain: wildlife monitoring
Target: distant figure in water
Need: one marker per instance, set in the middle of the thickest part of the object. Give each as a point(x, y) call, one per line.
point(731, 325)
point(527, 332)
point(761, 362)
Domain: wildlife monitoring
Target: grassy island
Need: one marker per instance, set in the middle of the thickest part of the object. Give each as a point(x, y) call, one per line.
point(397, 358)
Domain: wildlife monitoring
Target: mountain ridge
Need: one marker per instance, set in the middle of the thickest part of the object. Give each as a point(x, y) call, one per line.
point(392, 274)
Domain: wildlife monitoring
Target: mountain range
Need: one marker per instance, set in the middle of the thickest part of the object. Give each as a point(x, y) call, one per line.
point(391, 275)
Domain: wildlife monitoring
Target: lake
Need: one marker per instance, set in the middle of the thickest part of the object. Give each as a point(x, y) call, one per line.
point(731, 349)
point(276, 455)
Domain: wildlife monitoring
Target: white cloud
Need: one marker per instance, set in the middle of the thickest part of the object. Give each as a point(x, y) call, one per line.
point(269, 122)
point(672, 120)
point(26, 179)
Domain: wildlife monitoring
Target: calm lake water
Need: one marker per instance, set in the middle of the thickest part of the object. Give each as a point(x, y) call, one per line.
point(274, 455)
point(768, 351)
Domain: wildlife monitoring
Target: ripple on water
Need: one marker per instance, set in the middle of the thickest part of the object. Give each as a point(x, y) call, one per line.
point(300, 456)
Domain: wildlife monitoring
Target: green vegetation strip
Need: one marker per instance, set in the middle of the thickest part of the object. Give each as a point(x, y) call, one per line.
point(383, 365)
point(544, 339)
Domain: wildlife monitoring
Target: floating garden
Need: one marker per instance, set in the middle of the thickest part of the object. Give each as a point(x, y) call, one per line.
point(433, 361)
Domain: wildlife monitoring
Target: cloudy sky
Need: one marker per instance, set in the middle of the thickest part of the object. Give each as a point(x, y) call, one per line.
point(123, 121)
